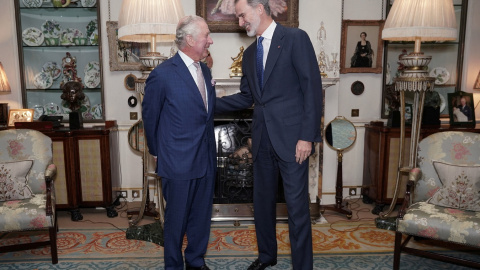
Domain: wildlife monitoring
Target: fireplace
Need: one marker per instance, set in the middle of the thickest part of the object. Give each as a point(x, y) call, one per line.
point(233, 197)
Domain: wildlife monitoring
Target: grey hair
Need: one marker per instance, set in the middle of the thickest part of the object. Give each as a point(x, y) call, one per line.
point(187, 26)
point(254, 3)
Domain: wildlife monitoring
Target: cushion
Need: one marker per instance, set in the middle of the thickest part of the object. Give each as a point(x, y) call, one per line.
point(461, 186)
point(13, 180)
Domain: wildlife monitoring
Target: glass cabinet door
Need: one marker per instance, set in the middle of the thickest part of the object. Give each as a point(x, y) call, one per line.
point(57, 44)
point(446, 64)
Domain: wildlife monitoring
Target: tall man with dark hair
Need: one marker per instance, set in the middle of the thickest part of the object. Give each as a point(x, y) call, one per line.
point(178, 121)
point(282, 79)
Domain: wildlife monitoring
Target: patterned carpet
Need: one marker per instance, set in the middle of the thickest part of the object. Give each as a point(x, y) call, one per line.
point(351, 245)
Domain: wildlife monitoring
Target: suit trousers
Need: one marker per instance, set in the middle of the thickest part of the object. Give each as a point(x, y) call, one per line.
point(267, 167)
point(188, 211)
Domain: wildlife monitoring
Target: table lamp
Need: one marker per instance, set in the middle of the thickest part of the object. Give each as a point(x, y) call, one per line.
point(418, 21)
point(149, 21)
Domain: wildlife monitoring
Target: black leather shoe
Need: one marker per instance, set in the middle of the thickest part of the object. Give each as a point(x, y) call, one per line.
point(203, 267)
point(258, 265)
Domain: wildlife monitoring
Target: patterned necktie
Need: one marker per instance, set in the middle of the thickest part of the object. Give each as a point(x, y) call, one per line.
point(201, 83)
point(260, 61)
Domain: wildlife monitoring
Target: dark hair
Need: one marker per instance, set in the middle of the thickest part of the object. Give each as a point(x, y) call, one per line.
point(363, 33)
point(254, 3)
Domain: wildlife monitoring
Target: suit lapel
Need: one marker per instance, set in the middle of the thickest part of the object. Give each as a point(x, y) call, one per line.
point(184, 72)
point(252, 71)
point(274, 51)
point(210, 90)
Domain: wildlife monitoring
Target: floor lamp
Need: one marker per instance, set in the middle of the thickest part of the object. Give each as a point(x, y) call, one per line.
point(148, 21)
point(418, 21)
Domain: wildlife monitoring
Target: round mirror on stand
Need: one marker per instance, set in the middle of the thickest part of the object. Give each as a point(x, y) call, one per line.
point(340, 134)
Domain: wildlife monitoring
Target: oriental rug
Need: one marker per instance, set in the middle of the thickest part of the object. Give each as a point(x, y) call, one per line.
point(344, 245)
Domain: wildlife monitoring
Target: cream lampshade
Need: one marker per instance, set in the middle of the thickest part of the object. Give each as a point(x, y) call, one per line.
point(4, 85)
point(416, 20)
point(149, 21)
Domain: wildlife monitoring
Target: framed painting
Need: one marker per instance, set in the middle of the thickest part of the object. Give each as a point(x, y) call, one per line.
point(220, 14)
point(361, 49)
point(123, 55)
point(461, 109)
point(19, 115)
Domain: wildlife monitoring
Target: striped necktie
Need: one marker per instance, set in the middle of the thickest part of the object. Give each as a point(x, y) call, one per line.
point(201, 83)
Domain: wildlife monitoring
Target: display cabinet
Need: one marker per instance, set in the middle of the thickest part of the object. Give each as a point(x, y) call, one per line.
point(82, 157)
point(446, 65)
point(55, 42)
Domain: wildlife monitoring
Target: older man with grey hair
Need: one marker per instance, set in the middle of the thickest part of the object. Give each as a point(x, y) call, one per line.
point(178, 121)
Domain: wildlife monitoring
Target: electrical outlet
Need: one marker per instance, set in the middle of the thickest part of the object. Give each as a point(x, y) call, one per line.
point(133, 115)
point(136, 193)
point(122, 194)
point(352, 191)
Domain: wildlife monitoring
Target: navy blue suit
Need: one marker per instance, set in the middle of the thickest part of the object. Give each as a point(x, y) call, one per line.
point(286, 110)
point(179, 131)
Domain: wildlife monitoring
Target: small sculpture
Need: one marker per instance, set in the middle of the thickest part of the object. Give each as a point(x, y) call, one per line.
point(73, 94)
point(69, 66)
point(236, 68)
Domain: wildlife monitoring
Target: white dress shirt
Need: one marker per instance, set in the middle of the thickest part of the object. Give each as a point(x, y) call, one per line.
point(267, 40)
point(193, 71)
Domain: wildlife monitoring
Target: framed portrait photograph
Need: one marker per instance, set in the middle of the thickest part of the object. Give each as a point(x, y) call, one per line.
point(19, 115)
point(461, 109)
point(361, 49)
point(123, 55)
point(220, 14)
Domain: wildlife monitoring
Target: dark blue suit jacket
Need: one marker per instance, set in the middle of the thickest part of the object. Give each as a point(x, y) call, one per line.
point(290, 104)
point(178, 129)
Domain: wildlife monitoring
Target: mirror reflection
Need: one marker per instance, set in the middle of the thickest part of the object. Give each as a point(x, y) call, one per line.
point(340, 133)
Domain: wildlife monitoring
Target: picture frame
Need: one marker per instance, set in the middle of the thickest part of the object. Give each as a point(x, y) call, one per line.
point(352, 62)
point(123, 56)
point(129, 82)
point(461, 109)
point(220, 16)
point(19, 115)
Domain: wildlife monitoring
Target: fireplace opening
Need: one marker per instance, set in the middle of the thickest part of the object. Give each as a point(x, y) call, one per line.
point(234, 181)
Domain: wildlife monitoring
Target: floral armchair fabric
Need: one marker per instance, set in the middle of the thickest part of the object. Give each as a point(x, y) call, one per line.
point(424, 217)
point(35, 212)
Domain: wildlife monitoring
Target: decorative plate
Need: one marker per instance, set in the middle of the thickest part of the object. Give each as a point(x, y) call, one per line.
point(38, 111)
point(52, 108)
point(33, 36)
point(91, 79)
point(43, 80)
point(53, 69)
point(92, 67)
point(89, 3)
point(51, 29)
point(32, 3)
point(91, 27)
point(93, 38)
point(440, 74)
point(96, 111)
point(67, 36)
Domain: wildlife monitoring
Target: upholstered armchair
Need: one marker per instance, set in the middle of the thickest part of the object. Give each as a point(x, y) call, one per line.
point(27, 197)
point(442, 201)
